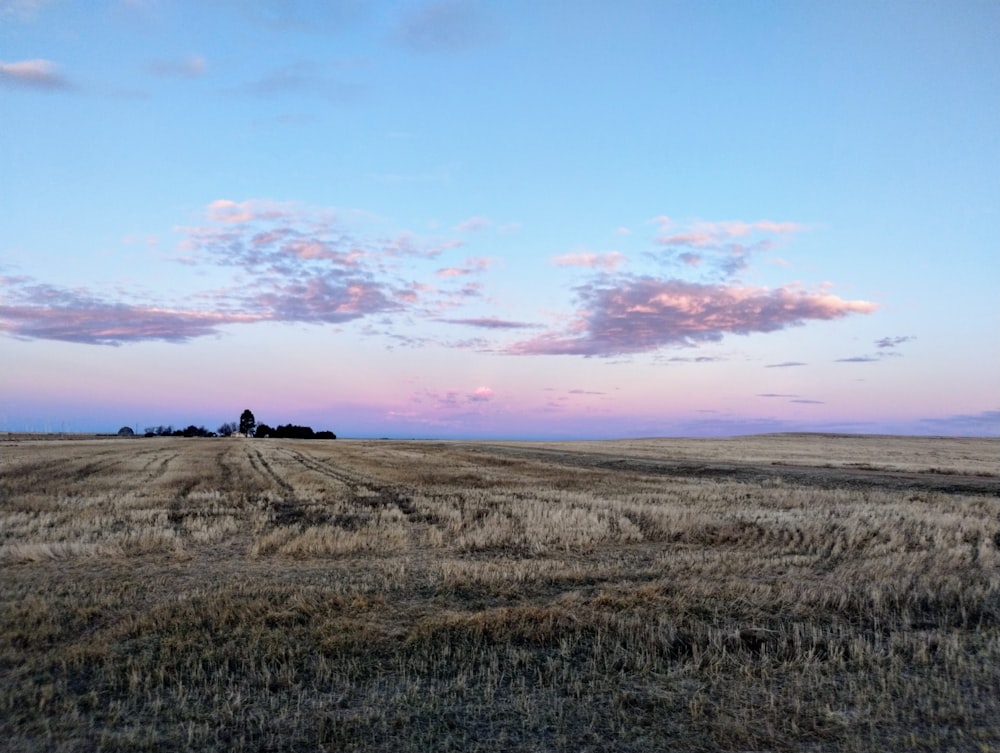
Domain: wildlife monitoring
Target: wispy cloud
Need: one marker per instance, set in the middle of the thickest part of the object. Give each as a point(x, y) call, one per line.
point(449, 26)
point(293, 16)
point(38, 311)
point(642, 314)
point(792, 398)
point(471, 266)
point(695, 359)
point(304, 76)
point(21, 10)
point(322, 299)
point(448, 407)
point(784, 365)
point(892, 342)
point(720, 248)
point(886, 349)
point(715, 234)
point(608, 261)
point(35, 74)
point(252, 210)
point(488, 323)
point(291, 264)
point(194, 66)
point(473, 224)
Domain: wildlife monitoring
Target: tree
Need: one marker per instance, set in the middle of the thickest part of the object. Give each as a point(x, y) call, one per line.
point(229, 428)
point(247, 423)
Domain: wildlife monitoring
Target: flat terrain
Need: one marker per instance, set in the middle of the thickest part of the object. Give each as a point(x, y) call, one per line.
point(785, 592)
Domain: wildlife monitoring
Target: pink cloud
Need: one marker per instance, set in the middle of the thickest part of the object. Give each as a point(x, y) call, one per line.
point(291, 265)
point(712, 234)
point(473, 224)
point(50, 313)
point(698, 240)
point(322, 299)
point(607, 261)
point(38, 73)
point(38, 311)
point(472, 265)
point(407, 244)
point(643, 314)
point(259, 233)
point(455, 407)
point(224, 210)
point(766, 226)
point(312, 249)
point(723, 248)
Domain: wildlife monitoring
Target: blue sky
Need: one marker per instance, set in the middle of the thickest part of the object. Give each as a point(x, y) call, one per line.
point(501, 219)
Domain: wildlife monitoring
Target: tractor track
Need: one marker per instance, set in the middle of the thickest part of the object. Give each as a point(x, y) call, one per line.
point(827, 477)
point(366, 492)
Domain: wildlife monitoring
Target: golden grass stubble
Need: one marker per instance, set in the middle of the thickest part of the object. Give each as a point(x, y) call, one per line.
point(523, 604)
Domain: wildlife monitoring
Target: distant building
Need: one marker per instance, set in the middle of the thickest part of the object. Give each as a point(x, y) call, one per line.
point(126, 431)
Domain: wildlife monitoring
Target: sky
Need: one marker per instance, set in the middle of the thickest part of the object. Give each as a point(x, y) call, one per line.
point(518, 219)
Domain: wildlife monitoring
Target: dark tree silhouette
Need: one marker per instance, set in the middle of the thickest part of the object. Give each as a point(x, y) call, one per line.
point(228, 429)
point(292, 431)
point(247, 423)
point(247, 427)
point(193, 431)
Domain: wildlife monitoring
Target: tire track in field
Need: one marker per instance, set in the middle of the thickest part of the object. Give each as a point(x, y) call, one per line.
point(382, 495)
point(804, 475)
point(157, 466)
point(225, 469)
point(99, 466)
point(259, 463)
point(352, 481)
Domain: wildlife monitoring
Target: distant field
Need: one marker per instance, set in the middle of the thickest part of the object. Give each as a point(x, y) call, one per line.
point(26, 436)
point(773, 593)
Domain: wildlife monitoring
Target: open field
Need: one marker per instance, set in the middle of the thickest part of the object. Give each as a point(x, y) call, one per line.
point(775, 593)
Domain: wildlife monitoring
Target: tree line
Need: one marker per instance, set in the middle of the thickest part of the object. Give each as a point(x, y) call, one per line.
point(246, 426)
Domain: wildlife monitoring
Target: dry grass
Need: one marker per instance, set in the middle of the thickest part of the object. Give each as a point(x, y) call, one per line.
point(175, 594)
point(973, 456)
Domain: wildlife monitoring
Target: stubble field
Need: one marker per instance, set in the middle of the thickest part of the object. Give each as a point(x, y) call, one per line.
point(807, 593)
